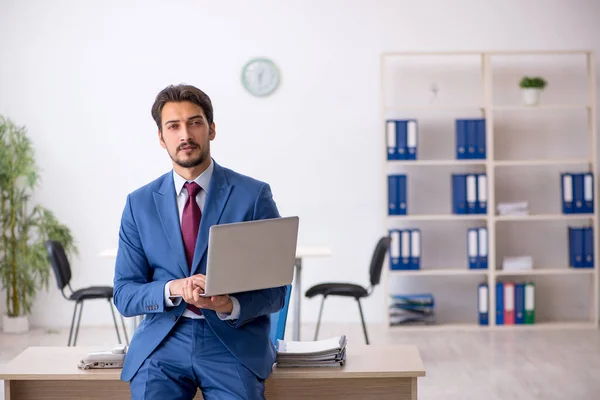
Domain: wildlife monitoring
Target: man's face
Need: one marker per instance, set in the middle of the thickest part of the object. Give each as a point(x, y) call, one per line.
point(186, 134)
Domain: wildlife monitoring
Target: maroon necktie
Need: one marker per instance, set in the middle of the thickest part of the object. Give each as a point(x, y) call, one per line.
point(190, 224)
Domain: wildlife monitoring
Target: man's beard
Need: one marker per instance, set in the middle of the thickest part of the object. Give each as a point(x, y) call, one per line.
point(192, 162)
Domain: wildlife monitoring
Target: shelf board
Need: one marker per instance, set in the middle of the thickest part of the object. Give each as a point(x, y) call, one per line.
point(437, 217)
point(542, 107)
point(547, 271)
point(518, 163)
point(433, 163)
point(401, 109)
point(438, 272)
point(543, 217)
point(475, 327)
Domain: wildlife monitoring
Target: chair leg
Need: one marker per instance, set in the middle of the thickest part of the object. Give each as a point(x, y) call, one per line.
point(114, 320)
point(78, 323)
point(72, 323)
point(362, 318)
point(124, 330)
point(319, 320)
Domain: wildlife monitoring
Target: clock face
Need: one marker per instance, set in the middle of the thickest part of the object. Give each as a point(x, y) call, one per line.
point(260, 77)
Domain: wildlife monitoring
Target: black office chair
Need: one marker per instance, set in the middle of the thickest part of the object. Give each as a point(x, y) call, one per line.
point(353, 290)
point(62, 271)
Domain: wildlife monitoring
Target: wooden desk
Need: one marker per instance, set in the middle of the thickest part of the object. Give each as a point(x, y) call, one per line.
point(371, 372)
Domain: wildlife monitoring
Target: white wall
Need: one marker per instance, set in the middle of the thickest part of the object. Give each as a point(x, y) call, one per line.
point(82, 76)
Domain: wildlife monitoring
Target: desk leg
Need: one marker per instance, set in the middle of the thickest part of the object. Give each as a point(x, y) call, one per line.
point(297, 297)
point(7, 390)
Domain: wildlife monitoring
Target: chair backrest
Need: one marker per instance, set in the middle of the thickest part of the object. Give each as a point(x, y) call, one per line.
point(378, 258)
point(60, 263)
point(279, 319)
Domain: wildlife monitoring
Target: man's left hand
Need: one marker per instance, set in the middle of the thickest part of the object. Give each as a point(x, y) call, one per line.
point(194, 286)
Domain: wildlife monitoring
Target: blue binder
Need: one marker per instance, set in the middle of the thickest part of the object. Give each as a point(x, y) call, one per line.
point(471, 194)
point(566, 189)
point(393, 200)
point(412, 134)
point(390, 139)
point(588, 193)
point(483, 306)
point(578, 207)
point(482, 248)
point(472, 140)
point(519, 303)
point(394, 252)
point(588, 247)
point(459, 193)
point(481, 194)
point(499, 303)
point(402, 195)
point(461, 139)
point(473, 248)
point(401, 132)
point(480, 143)
point(576, 239)
point(415, 249)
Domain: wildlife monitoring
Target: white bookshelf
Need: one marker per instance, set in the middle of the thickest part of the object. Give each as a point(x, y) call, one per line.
point(486, 105)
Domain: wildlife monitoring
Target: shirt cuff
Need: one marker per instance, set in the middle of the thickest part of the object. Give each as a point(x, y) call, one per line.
point(235, 313)
point(170, 301)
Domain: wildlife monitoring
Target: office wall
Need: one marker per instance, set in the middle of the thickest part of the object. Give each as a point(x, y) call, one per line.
point(82, 77)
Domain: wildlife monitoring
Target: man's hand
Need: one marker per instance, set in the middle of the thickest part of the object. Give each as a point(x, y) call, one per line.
point(191, 288)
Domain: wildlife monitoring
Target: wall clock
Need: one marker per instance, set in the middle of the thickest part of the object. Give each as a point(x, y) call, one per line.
point(260, 77)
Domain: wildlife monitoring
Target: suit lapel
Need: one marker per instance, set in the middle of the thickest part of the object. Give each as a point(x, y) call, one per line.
point(216, 198)
point(166, 205)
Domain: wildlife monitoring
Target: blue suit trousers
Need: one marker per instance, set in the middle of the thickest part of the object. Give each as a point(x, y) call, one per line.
point(190, 358)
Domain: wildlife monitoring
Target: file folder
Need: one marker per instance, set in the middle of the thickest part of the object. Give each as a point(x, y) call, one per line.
point(588, 193)
point(459, 193)
point(461, 140)
point(390, 134)
point(588, 247)
point(401, 137)
point(576, 243)
point(471, 126)
point(471, 194)
point(483, 294)
point(393, 192)
point(402, 195)
point(578, 207)
point(499, 303)
point(509, 303)
point(481, 194)
point(415, 249)
point(411, 140)
point(482, 253)
point(567, 193)
point(481, 140)
point(395, 250)
point(530, 303)
point(405, 249)
point(519, 303)
point(472, 247)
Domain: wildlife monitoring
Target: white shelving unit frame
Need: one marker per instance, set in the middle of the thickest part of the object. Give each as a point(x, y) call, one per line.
point(490, 164)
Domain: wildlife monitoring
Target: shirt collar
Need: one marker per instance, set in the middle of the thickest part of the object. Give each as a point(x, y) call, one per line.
point(203, 180)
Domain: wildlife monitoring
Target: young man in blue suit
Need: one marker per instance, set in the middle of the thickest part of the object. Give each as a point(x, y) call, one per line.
point(219, 344)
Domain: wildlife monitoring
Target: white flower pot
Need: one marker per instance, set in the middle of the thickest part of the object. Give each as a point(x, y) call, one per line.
point(15, 324)
point(531, 96)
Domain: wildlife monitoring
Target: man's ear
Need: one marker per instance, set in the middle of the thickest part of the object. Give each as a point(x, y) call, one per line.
point(213, 131)
point(161, 140)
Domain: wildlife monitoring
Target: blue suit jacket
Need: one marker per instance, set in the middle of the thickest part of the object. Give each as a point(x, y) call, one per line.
point(151, 252)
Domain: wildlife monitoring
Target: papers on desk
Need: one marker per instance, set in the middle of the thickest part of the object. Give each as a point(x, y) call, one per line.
point(321, 353)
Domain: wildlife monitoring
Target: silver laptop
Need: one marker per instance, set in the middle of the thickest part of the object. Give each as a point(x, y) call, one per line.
point(251, 255)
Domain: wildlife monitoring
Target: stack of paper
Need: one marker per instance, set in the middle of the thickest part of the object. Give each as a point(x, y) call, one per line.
point(321, 353)
point(518, 208)
point(412, 309)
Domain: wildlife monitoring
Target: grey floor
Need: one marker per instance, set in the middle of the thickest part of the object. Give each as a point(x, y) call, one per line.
point(554, 364)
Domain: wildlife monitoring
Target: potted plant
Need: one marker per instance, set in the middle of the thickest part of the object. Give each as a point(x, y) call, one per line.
point(531, 87)
point(24, 263)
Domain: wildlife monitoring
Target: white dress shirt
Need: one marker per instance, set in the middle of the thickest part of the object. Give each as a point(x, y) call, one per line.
point(182, 196)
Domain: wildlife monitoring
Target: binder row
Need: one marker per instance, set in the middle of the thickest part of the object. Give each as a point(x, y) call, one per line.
point(470, 139)
point(412, 308)
point(469, 193)
point(581, 247)
point(515, 303)
point(577, 193)
point(402, 139)
point(405, 249)
point(477, 248)
point(397, 195)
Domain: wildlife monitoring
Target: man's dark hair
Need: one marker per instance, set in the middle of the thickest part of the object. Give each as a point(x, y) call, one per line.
point(181, 93)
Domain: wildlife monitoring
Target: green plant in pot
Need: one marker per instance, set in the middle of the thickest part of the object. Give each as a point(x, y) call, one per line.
point(24, 229)
point(531, 88)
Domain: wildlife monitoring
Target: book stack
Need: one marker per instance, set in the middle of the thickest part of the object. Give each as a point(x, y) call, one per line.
point(412, 309)
point(320, 353)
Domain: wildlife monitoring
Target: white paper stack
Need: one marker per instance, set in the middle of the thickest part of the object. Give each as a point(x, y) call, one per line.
point(517, 263)
point(519, 208)
point(321, 353)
